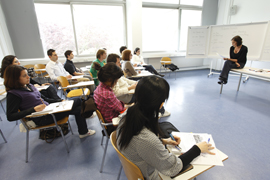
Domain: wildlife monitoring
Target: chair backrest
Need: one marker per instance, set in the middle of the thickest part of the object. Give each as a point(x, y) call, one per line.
point(91, 74)
point(100, 117)
point(169, 61)
point(131, 170)
point(63, 81)
point(39, 66)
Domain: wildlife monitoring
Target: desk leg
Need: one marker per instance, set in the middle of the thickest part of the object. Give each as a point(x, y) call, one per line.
point(221, 87)
point(239, 81)
point(84, 96)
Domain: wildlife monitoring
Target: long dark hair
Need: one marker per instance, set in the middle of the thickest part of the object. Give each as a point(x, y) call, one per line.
point(12, 77)
point(7, 60)
point(110, 72)
point(150, 93)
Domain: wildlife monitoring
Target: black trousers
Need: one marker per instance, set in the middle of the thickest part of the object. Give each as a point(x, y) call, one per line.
point(228, 65)
point(50, 92)
point(76, 109)
point(151, 69)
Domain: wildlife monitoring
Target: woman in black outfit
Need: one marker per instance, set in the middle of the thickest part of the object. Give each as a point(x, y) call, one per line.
point(238, 59)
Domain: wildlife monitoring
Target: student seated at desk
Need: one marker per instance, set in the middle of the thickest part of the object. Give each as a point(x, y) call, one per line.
point(101, 56)
point(126, 65)
point(137, 133)
point(73, 71)
point(124, 85)
point(106, 101)
point(49, 94)
point(23, 96)
point(138, 60)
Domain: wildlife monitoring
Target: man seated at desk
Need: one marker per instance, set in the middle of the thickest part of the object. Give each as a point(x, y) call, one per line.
point(70, 67)
point(55, 68)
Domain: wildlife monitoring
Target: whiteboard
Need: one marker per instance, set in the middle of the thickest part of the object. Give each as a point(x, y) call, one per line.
point(197, 40)
point(266, 49)
point(253, 35)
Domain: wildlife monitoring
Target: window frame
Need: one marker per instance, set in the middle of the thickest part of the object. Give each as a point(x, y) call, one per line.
point(105, 3)
point(172, 6)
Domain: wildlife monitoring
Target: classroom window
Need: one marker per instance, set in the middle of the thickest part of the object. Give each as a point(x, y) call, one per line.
point(98, 26)
point(192, 2)
point(159, 29)
point(55, 25)
point(188, 18)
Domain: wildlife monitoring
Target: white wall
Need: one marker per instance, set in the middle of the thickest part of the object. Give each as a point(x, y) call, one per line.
point(247, 11)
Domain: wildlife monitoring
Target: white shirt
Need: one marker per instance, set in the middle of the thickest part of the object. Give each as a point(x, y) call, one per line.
point(55, 69)
point(121, 87)
point(137, 59)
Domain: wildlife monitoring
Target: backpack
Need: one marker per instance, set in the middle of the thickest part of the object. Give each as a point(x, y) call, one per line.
point(52, 133)
point(88, 107)
point(172, 66)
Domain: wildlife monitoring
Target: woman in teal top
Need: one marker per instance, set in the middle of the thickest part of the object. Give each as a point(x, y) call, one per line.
point(101, 56)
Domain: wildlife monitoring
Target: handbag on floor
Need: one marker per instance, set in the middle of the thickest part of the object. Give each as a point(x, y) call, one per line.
point(52, 133)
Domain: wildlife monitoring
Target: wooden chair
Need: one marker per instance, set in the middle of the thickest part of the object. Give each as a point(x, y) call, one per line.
point(166, 61)
point(131, 170)
point(73, 93)
point(27, 66)
point(55, 124)
point(41, 73)
point(3, 136)
point(106, 133)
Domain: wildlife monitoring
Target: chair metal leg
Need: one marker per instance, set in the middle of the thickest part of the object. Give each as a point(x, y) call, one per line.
point(3, 136)
point(102, 140)
point(105, 150)
point(60, 129)
point(221, 87)
point(70, 127)
point(16, 122)
point(27, 146)
point(119, 174)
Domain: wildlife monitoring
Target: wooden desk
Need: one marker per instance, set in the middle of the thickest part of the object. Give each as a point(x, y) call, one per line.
point(197, 170)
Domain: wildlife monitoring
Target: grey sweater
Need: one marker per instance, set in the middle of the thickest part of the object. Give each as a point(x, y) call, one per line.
point(128, 69)
point(147, 152)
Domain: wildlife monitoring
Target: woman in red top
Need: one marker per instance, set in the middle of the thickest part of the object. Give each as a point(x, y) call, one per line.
point(105, 99)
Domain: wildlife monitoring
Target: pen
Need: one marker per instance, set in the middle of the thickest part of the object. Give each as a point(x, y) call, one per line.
point(208, 140)
point(177, 147)
point(42, 101)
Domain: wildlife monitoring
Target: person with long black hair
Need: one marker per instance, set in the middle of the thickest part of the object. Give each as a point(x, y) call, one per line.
point(138, 133)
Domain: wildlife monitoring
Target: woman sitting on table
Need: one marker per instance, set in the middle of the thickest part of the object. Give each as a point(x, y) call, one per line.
point(106, 101)
point(238, 59)
point(49, 94)
point(138, 133)
point(126, 65)
point(23, 96)
point(138, 60)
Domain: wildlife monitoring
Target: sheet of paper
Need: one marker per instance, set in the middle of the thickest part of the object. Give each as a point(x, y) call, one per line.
point(190, 139)
point(42, 87)
point(221, 56)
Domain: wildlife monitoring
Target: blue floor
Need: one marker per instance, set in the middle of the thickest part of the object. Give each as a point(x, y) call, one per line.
point(238, 121)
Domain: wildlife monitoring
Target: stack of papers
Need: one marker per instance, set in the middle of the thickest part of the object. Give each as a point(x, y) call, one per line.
point(190, 139)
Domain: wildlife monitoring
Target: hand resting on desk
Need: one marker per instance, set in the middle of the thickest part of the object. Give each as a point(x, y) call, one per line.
point(39, 107)
point(205, 147)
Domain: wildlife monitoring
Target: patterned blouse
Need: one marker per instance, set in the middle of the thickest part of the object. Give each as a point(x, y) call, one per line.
point(107, 103)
